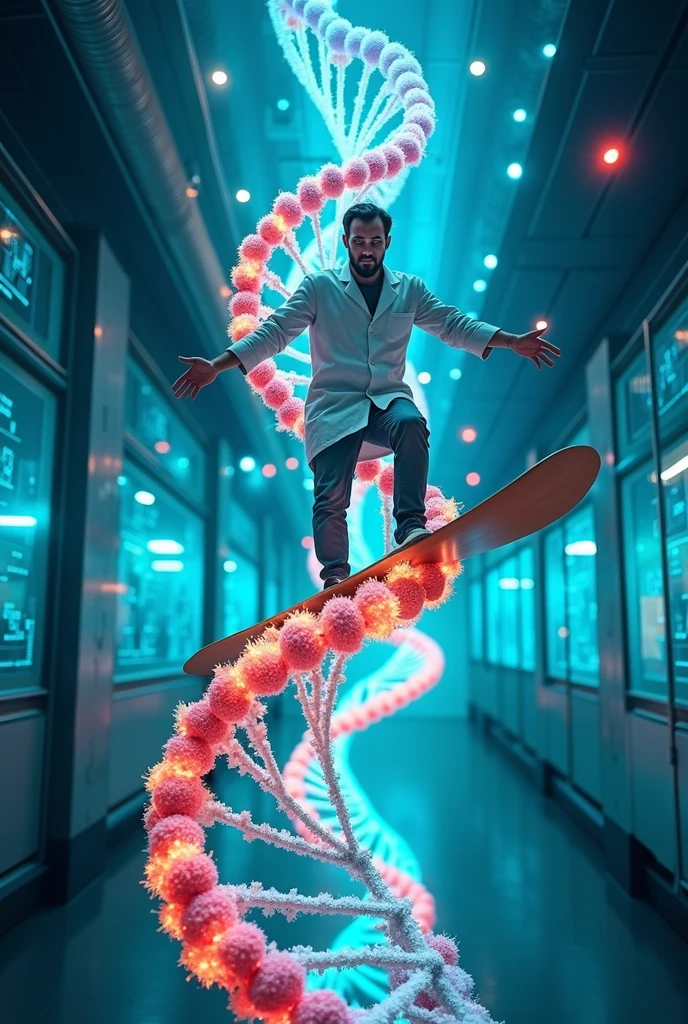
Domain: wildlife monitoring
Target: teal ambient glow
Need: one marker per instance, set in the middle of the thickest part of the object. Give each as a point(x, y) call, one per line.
point(549, 50)
point(455, 373)
point(247, 463)
point(519, 115)
point(479, 285)
point(283, 105)
point(514, 170)
point(490, 261)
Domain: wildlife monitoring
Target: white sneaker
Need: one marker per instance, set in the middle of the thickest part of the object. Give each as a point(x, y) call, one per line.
point(417, 533)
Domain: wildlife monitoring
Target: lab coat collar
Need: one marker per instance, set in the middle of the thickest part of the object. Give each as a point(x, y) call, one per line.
point(387, 295)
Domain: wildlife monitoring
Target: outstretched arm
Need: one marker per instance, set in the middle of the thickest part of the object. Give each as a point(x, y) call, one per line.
point(273, 335)
point(282, 326)
point(461, 331)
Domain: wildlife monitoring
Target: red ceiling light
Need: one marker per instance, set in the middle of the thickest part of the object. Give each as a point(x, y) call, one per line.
point(469, 434)
point(473, 479)
point(269, 469)
point(611, 156)
point(541, 325)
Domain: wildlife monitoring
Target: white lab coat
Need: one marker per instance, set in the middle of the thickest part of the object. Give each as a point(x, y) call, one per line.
point(356, 359)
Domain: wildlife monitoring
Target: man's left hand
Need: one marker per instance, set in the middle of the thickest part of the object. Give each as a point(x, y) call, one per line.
point(533, 346)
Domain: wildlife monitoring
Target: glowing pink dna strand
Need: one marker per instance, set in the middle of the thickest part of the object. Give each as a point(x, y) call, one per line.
point(219, 946)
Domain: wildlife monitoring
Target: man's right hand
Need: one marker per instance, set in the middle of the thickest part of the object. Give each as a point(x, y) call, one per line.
point(201, 372)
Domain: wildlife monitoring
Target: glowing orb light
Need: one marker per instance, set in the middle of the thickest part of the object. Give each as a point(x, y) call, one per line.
point(477, 68)
point(473, 479)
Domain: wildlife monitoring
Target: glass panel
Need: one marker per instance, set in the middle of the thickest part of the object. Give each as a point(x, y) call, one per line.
point(27, 423)
point(509, 587)
point(494, 646)
point(526, 569)
point(633, 401)
point(556, 632)
point(670, 353)
point(150, 419)
point(581, 597)
point(160, 603)
point(240, 594)
point(476, 598)
point(643, 589)
point(31, 278)
point(675, 481)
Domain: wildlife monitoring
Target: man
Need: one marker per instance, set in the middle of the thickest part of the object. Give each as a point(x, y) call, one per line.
point(358, 407)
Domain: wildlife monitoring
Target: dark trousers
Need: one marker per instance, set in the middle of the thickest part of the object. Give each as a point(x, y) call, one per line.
point(400, 427)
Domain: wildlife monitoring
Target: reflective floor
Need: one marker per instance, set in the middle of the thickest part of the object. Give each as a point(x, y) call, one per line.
point(548, 939)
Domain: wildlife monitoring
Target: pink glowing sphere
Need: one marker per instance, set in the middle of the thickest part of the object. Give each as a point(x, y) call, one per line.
point(435, 524)
point(322, 1006)
point(416, 131)
point(242, 949)
point(190, 754)
point(411, 596)
point(243, 325)
point(356, 173)
point(432, 492)
point(244, 303)
point(310, 195)
point(271, 230)
point(386, 481)
point(187, 877)
point(277, 392)
point(288, 207)
point(331, 181)
point(343, 625)
point(255, 249)
point(446, 947)
point(301, 642)
point(395, 159)
point(262, 669)
point(247, 277)
point(289, 412)
point(278, 984)
point(261, 375)
point(179, 796)
point(433, 580)
point(207, 916)
point(377, 164)
point(411, 148)
point(198, 720)
point(229, 700)
point(176, 830)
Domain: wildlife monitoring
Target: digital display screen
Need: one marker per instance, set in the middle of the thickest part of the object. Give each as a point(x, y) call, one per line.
point(671, 359)
point(22, 413)
point(16, 263)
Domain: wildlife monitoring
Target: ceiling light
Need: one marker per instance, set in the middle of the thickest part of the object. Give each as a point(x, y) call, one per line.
point(549, 50)
point(292, 463)
point(469, 434)
point(269, 470)
point(455, 373)
point(509, 583)
point(230, 565)
point(541, 325)
point(167, 565)
point(611, 156)
point(243, 195)
point(248, 463)
point(477, 68)
point(678, 467)
point(527, 584)
point(165, 547)
point(424, 377)
point(144, 498)
point(581, 547)
point(473, 479)
point(17, 521)
point(479, 285)
point(514, 170)
point(490, 261)
point(219, 77)
point(519, 115)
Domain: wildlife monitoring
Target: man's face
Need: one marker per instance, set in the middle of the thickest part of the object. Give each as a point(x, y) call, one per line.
point(367, 245)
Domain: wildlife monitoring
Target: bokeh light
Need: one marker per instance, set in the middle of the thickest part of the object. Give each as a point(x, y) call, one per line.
point(490, 261)
point(306, 542)
point(283, 105)
point(248, 463)
point(230, 565)
point(292, 463)
point(549, 49)
point(243, 195)
point(144, 498)
point(308, 484)
point(479, 285)
point(519, 115)
point(424, 377)
point(219, 77)
point(541, 325)
point(469, 434)
point(269, 469)
point(477, 68)
point(455, 373)
point(473, 479)
point(611, 156)
point(514, 171)
point(162, 447)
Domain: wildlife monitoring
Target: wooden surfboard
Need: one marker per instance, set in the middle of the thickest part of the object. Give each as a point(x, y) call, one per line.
point(536, 499)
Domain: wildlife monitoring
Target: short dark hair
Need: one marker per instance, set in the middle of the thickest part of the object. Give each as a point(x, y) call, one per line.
point(366, 212)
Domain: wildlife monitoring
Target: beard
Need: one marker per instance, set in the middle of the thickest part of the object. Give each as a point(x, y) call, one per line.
point(366, 269)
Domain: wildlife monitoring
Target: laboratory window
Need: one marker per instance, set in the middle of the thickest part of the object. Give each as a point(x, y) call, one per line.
point(633, 405)
point(27, 426)
point(493, 618)
point(476, 614)
point(526, 574)
point(160, 579)
point(674, 485)
point(571, 600)
point(670, 360)
point(240, 592)
point(150, 420)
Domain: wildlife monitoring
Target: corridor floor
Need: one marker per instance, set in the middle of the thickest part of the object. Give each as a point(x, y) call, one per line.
point(547, 936)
